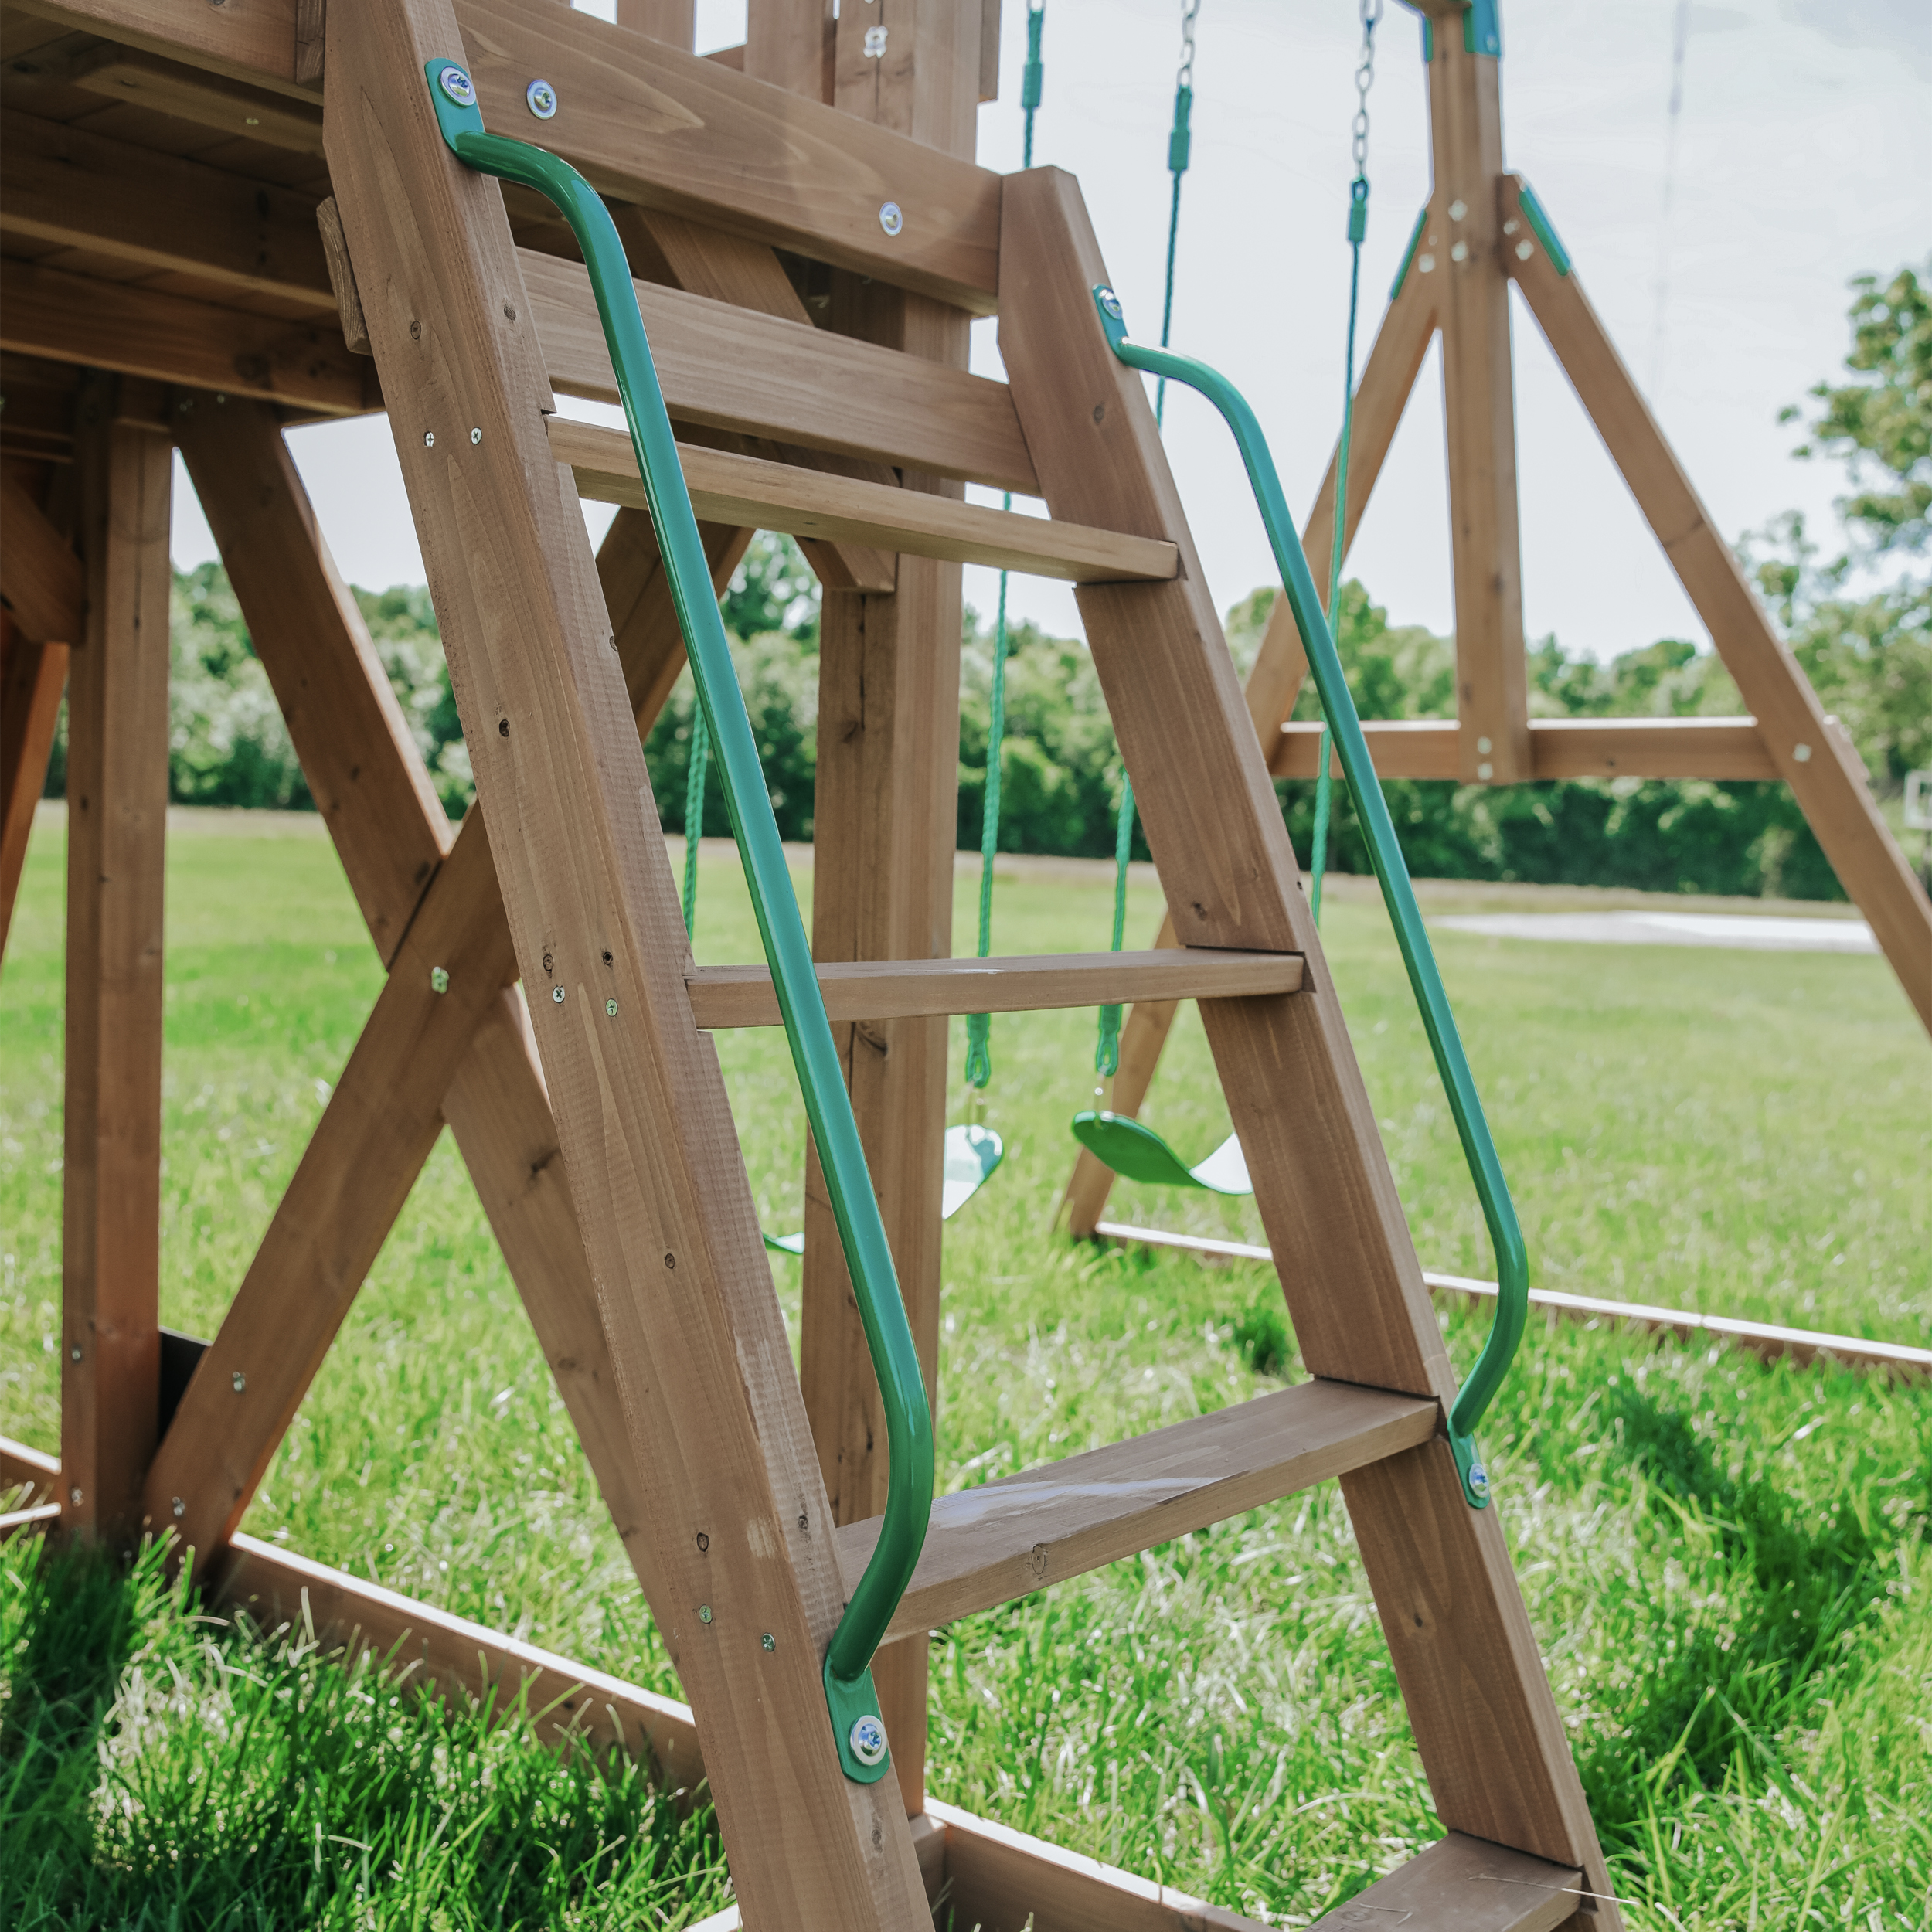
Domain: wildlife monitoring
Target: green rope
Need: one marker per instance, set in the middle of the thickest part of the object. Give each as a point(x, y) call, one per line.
point(979, 1026)
point(1107, 1050)
point(1358, 232)
point(694, 779)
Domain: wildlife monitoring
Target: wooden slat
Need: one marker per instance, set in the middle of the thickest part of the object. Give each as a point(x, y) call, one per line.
point(381, 1121)
point(723, 996)
point(173, 338)
point(1460, 1884)
point(22, 1467)
point(733, 369)
point(41, 579)
point(275, 1586)
point(728, 488)
point(1465, 118)
point(1491, 1739)
point(695, 1335)
point(117, 819)
point(1811, 754)
point(1004, 1539)
point(250, 39)
point(1558, 748)
point(34, 1519)
point(33, 678)
point(210, 100)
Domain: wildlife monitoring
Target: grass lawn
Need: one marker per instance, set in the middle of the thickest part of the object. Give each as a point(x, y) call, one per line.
point(1726, 1563)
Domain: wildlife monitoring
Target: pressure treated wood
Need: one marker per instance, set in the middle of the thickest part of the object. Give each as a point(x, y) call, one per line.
point(724, 996)
point(1731, 748)
point(728, 488)
point(699, 1348)
point(1812, 755)
point(1002, 1540)
point(1498, 1758)
point(117, 826)
point(33, 678)
point(1460, 1884)
point(226, 106)
point(732, 369)
point(41, 579)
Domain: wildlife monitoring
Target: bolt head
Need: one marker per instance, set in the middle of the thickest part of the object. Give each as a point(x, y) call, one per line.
point(73, 1495)
point(704, 1613)
point(892, 217)
point(1801, 754)
point(767, 1641)
point(458, 86)
point(867, 1741)
point(1458, 209)
point(1523, 251)
point(439, 979)
point(476, 436)
point(73, 1354)
point(429, 439)
point(240, 1381)
point(1111, 303)
point(610, 1007)
point(540, 97)
point(1485, 771)
point(556, 996)
point(181, 1509)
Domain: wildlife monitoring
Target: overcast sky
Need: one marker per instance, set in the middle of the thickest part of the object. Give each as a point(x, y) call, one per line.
point(1803, 157)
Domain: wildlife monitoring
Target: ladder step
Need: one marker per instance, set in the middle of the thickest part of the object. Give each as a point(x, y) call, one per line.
point(1005, 1539)
point(1463, 1884)
point(723, 996)
point(726, 488)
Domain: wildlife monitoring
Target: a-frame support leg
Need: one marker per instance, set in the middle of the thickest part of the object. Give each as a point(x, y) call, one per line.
point(1275, 681)
point(1813, 756)
point(117, 830)
point(740, 1523)
point(1491, 1740)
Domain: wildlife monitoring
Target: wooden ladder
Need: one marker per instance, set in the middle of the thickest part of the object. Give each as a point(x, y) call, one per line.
point(733, 1484)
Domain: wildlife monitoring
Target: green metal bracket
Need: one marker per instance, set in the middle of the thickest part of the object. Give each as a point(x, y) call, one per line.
point(1544, 229)
point(849, 1696)
point(1481, 29)
point(1385, 853)
point(1409, 254)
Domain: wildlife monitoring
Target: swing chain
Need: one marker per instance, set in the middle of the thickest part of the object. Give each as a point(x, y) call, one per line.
point(1190, 11)
point(1364, 75)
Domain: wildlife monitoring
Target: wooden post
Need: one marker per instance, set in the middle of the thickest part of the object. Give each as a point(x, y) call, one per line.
point(1465, 116)
point(747, 1588)
point(116, 828)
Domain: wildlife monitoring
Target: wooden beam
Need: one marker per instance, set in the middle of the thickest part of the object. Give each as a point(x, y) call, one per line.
point(33, 1520)
point(1460, 1884)
point(1725, 748)
point(382, 1119)
point(24, 1468)
point(173, 338)
point(117, 820)
point(675, 21)
point(1463, 240)
point(728, 488)
point(251, 40)
point(696, 1337)
point(789, 42)
point(1809, 753)
point(41, 580)
point(731, 369)
point(1000, 1541)
point(723, 996)
point(33, 680)
point(228, 107)
point(1487, 1727)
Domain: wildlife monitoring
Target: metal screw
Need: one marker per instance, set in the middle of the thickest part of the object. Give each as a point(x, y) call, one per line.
point(867, 1741)
point(1484, 746)
point(476, 436)
point(875, 43)
point(458, 86)
point(1460, 252)
point(610, 1007)
point(240, 1381)
point(1458, 209)
point(1425, 263)
point(73, 1354)
point(439, 979)
point(540, 97)
point(1802, 753)
point(1111, 303)
point(1485, 771)
point(181, 1509)
point(1523, 251)
point(73, 1496)
point(704, 1613)
point(704, 1542)
point(1510, 226)
point(767, 1641)
point(556, 996)
point(892, 217)
point(429, 439)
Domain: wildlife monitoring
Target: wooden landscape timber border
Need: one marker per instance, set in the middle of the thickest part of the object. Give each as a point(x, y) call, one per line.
point(1761, 1339)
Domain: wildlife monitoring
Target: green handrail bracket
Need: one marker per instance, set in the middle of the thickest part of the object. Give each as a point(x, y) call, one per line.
point(1544, 228)
point(850, 1698)
point(1385, 852)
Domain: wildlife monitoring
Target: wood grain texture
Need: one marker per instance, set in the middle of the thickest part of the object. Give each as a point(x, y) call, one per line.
point(1486, 1726)
point(1558, 748)
point(311, 40)
point(1000, 1541)
point(1811, 754)
point(670, 1229)
point(249, 39)
point(675, 21)
point(174, 338)
point(789, 42)
point(117, 829)
point(341, 276)
point(274, 1587)
point(349, 731)
point(878, 989)
point(33, 680)
point(236, 108)
point(22, 1467)
point(377, 1130)
point(732, 368)
point(41, 579)
point(1465, 119)
point(645, 122)
point(728, 488)
point(1460, 1884)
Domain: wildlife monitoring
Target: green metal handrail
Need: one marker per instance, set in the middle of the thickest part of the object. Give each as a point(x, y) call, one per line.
point(850, 1694)
point(1385, 852)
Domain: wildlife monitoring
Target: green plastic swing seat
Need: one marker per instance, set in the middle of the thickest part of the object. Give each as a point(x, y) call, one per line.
point(972, 1153)
point(1136, 1153)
